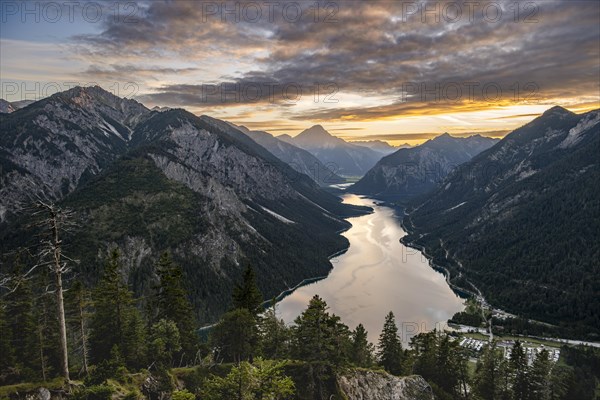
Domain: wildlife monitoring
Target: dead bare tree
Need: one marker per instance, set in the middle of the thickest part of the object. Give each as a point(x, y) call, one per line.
point(54, 221)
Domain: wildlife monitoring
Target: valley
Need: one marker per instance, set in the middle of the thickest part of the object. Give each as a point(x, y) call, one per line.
point(239, 220)
point(378, 274)
point(299, 200)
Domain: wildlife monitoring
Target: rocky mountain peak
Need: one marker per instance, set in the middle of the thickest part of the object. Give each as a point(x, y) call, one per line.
point(90, 96)
point(557, 111)
point(314, 132)
point(412, 172)
point(6, 107)
point(443, 137)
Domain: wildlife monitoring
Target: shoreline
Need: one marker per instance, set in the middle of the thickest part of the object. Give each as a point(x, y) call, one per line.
point(307, 281)
point(481, 299)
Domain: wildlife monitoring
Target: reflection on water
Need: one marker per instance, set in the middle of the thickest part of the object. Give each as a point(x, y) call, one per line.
point(376, 275)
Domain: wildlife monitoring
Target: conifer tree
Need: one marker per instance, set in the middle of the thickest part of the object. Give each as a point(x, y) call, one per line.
point(164, 342)
point(172, 303)
point(274, 336)
point(47, 333)
point(23, 327)
point(540, 376)
point(7, 361)
point(487, 373)
point(235, 337)
point(319, 336)
point(246, 294)
point(116, 322)
point(520, 372)
point(442, 363)
point(362, 351)
point(55, 223)
point(390, 348)
point(245, 381)
point(78, 302)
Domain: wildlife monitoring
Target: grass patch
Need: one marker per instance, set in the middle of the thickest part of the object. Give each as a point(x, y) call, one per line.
point(7, 390)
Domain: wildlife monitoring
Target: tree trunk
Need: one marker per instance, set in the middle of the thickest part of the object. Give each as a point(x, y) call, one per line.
point(62, 325)
point(42, 357)
point(83, 338)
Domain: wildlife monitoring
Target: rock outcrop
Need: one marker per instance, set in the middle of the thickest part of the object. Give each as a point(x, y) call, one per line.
point(374, 385)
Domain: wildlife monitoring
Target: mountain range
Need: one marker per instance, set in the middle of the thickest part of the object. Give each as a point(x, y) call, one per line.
point(341, 157)
point(151, 181)
point(412, 172)
point(521, 221)
point(8, 107)
point(380, 146)
point(299, 159)
point(517, 218)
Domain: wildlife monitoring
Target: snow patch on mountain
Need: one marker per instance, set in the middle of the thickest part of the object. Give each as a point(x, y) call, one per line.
point(456, 206)
point(278, 216)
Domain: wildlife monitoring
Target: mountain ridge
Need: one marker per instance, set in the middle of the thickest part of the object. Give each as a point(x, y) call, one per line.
point(170, 180)
point(412, 172)
point(518, 215)
point(346, 158)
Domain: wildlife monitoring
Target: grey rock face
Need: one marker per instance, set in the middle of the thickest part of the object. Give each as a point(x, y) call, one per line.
point(299, 159)
point(50, 147)
point(343, 158)
point(154, 181)
point(371, 385)
point(6, 107)
point(414, 171)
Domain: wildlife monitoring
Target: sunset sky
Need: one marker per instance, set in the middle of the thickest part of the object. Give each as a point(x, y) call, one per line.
point(399, 71)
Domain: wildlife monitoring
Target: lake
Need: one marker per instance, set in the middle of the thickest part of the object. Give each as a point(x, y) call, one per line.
point(376, 275)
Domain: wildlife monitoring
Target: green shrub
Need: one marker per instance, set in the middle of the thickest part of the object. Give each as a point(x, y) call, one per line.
point(183, 395)
point(96, 392)
point(133, 395)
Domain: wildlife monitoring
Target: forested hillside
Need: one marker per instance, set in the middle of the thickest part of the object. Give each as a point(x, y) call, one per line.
point(522, 221)
point(163, 181)
point(413, 172)
point(117, 351)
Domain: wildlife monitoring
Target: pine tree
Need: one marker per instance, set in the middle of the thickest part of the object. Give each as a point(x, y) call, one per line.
point(487, 373)
point(235, 337)
point(172, 303)
point(540, 376)
point(116, 322)
point(23, 327)
point(247, 295)
point(262, 380)
point(424, 355)
point(390, 348)
point(164, 342)
point(274, 336)
point(319, 336)
point(78, 303)
point(47, 333)
point(504, 383)
point(560, 378)
point(362, 351)
point(441, 362)
point(7, 360)
point(448, 360)
point(520, 371)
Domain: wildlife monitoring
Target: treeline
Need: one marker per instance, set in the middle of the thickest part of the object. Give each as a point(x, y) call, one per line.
point(111, 336)
point(322, 339)
point(108, 333)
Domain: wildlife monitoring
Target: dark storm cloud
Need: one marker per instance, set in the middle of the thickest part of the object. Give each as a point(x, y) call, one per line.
point(124, 72)
point(375, 49)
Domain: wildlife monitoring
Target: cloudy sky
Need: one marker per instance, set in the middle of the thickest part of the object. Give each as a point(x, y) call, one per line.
point(392, 70)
